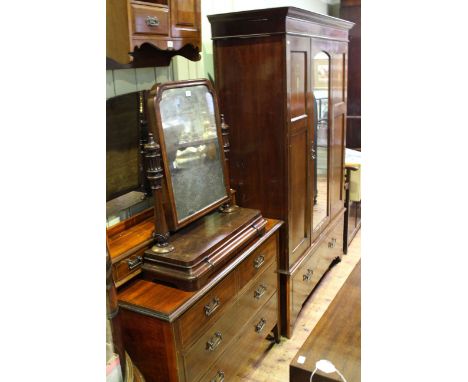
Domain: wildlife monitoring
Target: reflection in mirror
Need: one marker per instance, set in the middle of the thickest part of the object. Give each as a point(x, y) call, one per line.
point(126, 131)
point(192, 148)
point(320, 84)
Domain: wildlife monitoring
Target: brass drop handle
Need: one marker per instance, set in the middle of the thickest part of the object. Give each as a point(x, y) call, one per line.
point(258, 262)
point(152, 21)
point(261, 324)
point(308, 275)
point(212, 306)
point(132, 264)
point(260, 291)
point(214, 341)
point(332, 243)
point(219, 377)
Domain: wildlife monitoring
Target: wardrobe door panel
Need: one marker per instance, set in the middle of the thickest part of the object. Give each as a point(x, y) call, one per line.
point(298, 61)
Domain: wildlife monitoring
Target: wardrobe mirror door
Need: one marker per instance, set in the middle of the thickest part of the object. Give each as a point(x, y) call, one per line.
point(320, 149)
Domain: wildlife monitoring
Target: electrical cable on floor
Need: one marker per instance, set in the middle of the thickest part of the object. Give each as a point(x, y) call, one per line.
point(327, 367)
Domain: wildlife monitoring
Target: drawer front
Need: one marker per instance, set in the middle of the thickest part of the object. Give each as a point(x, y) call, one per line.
point(150, 20)
point(309, 274)
point(251, 344)
point(211, 344)
point(258, 293)
point(206, 310)
point(258, 261)
point(125, 267)
point(304, 280)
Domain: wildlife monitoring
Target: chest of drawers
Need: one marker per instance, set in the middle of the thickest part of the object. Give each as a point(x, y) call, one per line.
point(176, 335)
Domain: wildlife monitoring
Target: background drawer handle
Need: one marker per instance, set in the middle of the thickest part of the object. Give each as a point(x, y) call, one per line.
point(152, 21)
point(308, 275)
point(219, 377)
point(212, 306)
point(258, 262)
point(332, 243)
point(132, 264)
point(260, 291)
point(214, 341)
point(259, 327)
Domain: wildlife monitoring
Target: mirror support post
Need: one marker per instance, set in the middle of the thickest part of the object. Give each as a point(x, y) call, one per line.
point(230, 206)
point(154, 173)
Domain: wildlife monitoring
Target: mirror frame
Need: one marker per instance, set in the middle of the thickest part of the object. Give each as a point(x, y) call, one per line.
point(155, 127)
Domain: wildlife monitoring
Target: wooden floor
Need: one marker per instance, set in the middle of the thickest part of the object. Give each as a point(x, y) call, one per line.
point(274, 365)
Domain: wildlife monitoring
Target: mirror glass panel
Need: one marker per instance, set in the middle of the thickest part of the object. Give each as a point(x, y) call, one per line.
point(320, 88)
point(192, 148)
point(126, 132)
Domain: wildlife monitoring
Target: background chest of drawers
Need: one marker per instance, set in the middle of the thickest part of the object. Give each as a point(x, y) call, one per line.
point(176, 335)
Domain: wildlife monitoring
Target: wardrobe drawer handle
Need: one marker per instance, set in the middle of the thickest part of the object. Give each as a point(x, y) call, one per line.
point(258, 262)
point(219, 377)
point(214, 341)
point(260, 291)
point(308, 275)
point(132, 264)
point(260, 326)
point(152, 21)
point(212, 306)
point(332, 243)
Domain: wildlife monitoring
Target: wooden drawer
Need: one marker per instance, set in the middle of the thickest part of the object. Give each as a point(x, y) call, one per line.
point(123, 269)
point(250, 345)
point(258, 293)
point(150, 20)
point(211, 344)
point(258, 261)
point(207, 309)
point(309, 274)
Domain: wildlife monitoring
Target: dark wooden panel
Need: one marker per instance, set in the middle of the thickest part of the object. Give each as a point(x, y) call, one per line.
point(298, 83)
point(250, 88)
point(337, 337)
point(186, 18)
point(150, 344)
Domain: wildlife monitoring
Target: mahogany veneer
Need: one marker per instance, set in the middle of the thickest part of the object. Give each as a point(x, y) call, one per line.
point(177, 335)
point(264, 67)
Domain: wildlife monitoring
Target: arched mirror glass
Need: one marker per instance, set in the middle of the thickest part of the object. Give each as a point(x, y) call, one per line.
point(192, 149)
point(320, 88)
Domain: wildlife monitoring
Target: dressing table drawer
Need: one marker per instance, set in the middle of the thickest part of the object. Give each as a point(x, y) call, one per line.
point(150, 20)
point(207, 309)
point(258, 293)
point(252, 342)
point(211, 344)
point(258, 261)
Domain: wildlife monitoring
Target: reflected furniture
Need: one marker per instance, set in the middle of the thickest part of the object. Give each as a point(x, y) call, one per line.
point(282, 85)
point(142, 33)
point(336, 338)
